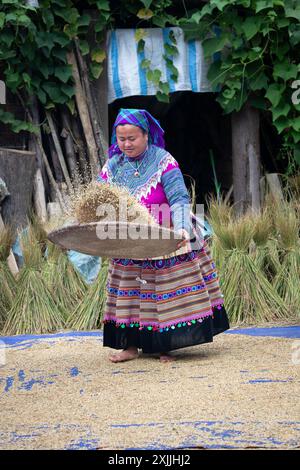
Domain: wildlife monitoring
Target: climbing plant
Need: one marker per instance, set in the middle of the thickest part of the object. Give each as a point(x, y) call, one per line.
point(34, 42)
point(255, 44)
point(256, 47)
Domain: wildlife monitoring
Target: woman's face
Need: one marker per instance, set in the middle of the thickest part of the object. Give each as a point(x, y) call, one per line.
point(131, 140)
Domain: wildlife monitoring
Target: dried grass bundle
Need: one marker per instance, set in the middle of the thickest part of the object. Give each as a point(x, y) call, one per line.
point(6, 241)
point(88, 314)
point(96, 202)
point(8, 288)
point(34, 308)
point(249, 297)
point(287, 280)
point(61, 278)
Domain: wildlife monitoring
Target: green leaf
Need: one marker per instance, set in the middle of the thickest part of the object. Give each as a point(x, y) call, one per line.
point(71, 30)
point(98, 55)
point(96, 70)
point(145, 64)
point(11, 18)
point(71, 106)
point(220, 4)
point(68, 90)
point(251, 26)
point(44, 39)
point(295, 135)
point(164, 87)
point(281, 124)
point(263, 4)
point(294, 33)
point(171, 50)
point(162, 97)
point(145, 14)
point(53, 91)
point(26, 78)
point(281, 110)
point(7, 38)
point(213, 45)
point(292, 9)
point(146, 3)
point(274, 93)
point(63, 72)
point(61, 39)
point(59, 54)
point(296, 124)
point(297, 155)
point(140, 34)
point(13, 80)
point(103, 5)
point(84, 46)
point(259, 82)
point(41, 96)
point(24, 20)
point(2, 18)
point(154, 76)
point(100, 25)
point(285, 71)
point(70, 15)
point(159, 21)
point(84, 20)
point(48, 17)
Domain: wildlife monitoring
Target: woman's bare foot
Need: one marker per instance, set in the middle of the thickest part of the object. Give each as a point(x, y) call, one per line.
point(125, 355)
point(164, 357)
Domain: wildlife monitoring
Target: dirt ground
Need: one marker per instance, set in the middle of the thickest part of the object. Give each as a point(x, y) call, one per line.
point(61, 392)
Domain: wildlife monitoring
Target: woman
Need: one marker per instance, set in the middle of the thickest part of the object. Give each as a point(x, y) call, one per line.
point(157, 305)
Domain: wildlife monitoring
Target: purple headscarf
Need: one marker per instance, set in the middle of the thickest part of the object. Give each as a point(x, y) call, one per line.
point(140, 118)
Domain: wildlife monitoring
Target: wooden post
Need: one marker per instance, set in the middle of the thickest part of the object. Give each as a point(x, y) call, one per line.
point(84, 116)
point(58, 149)
point(39, 196)
point(68, 141)
point(246, 159)
point(17, 169)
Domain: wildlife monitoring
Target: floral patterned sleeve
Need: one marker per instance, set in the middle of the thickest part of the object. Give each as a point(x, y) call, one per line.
point(177, 196)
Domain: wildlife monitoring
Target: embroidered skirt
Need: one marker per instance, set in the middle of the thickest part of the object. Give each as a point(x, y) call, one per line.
point(162, 305)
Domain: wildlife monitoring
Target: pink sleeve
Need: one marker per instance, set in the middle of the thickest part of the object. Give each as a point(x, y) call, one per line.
point(103, 173)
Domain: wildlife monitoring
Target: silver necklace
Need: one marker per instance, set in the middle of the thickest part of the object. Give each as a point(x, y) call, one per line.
point(136, 173)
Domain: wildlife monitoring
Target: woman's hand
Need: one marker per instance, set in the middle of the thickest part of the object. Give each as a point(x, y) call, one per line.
point(186, 237)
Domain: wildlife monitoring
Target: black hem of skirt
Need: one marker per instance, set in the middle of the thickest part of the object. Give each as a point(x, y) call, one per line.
point(156, 342)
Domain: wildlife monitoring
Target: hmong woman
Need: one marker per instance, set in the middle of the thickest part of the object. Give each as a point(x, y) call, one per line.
point(157, 305)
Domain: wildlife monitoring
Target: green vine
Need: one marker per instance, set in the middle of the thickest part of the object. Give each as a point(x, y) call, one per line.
point(255, 45)
point(154, 75)
point(257, 58)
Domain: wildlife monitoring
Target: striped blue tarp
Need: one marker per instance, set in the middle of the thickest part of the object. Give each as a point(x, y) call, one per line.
point(126, 77)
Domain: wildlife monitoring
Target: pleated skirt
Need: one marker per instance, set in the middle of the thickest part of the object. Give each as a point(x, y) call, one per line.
point(163, 305)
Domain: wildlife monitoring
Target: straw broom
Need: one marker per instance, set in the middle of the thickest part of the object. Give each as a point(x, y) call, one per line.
point(287, 280)
point(88, 314)
point(34, 309)
point(249, 297)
